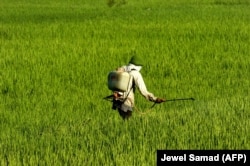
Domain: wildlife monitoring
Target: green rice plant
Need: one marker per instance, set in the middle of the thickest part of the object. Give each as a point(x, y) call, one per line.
point(112, 3)
point(54, 61)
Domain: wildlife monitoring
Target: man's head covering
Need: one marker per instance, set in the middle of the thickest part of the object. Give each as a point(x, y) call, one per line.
point(136, 60)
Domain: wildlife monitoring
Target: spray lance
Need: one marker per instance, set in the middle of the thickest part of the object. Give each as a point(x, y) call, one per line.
point(109, 98)
point(173, 100)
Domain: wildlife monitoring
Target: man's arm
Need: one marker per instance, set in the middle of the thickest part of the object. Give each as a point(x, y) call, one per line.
point(139, 82)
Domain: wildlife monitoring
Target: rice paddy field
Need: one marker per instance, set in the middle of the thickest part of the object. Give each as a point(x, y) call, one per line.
point(55, 57)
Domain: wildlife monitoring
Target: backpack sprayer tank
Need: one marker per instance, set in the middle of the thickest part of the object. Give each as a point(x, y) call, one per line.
point(119, 81)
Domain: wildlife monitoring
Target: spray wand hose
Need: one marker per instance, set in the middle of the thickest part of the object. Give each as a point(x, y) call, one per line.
point(173, 100)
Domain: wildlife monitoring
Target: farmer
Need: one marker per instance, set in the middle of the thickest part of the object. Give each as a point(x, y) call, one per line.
point(125, 108)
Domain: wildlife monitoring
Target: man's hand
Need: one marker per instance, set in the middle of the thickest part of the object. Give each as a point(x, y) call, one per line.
point(160, 100)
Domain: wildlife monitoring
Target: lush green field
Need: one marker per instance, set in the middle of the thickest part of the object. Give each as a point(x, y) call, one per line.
point(54, 61)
